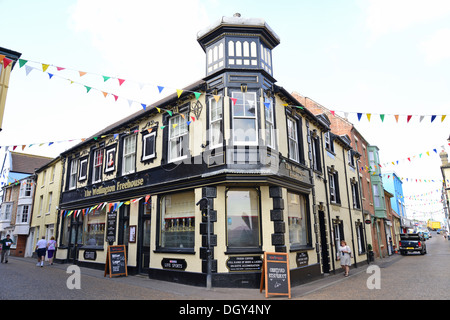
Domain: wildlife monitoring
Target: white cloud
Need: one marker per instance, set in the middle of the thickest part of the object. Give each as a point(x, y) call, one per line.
point(437, 47)
point(386, 16)
point(149, 41)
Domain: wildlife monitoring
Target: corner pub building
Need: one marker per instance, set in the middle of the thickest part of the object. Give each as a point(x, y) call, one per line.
point(221, 173)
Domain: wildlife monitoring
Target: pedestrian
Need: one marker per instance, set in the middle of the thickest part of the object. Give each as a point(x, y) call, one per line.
point(345, 257)
point(6, 245)
point(51, 247)
point(41, 247)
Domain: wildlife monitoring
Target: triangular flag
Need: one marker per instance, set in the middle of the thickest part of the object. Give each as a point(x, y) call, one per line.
point(443, 117)
point(2, 56)
point(87, 88)
point(115, 97)
point(143, 105)
point(105, 78)
point(267, 104)
point(234, 101)
point(28, 69)
point(6, 62)
point(359, 116)
point(197, 95)
point(22, 62)
point(421, 118)
point(60, 68)
point(45, 66)
point(160, 89)
point(217, 98)
point(105, 93)
point(121, 81)
point(193, 119)
point(368, 116)
point(382, 117)
point(159, 110)
point(82, 73)
point(169, 112)
point(50, 75)
point(396, 118)
point(332, 112)
point(432, 118)
point(179, 92)
point(408, 118)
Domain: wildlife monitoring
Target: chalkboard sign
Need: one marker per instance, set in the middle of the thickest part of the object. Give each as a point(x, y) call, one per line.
point(275, 276)
point(116, 261)
point(111, 227)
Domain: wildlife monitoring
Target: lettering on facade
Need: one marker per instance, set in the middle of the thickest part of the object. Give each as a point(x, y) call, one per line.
point(119, 186)
point(295, 172)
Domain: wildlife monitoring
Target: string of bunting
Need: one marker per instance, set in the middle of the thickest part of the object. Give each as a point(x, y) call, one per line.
point(98, 207)
point(44, 67)
point(396, 116)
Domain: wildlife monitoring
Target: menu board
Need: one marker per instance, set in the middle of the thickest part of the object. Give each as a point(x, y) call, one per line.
point(116, 261)
point(275, 276)
point(111, 227)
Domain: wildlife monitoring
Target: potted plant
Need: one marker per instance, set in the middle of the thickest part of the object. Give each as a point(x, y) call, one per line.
point(370, 250)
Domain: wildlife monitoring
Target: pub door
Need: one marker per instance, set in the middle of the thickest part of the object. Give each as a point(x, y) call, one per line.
point(144, 236)
point(324, 243)
point(76, 238)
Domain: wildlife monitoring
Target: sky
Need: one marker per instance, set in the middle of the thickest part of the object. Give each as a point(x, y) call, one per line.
point(352, 56)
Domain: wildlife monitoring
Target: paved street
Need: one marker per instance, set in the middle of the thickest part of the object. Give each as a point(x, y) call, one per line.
point(413, 277)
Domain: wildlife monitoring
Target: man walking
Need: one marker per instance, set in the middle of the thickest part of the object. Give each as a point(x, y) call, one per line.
point(6, 245)
point(41, 247)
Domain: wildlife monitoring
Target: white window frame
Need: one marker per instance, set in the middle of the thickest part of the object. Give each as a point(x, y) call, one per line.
point(178, 133)
point(82, 162)
point(292, 134)
point(131, 139)
point(245, 100)
point(269, 123)
point(72, 175)
point(333, 196)
point(217, 106)
point(146, 156)
point(97, 166)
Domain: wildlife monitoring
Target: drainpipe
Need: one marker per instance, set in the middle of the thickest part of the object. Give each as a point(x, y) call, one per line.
point(325, 185)
point(349, 209)
point(362, 208)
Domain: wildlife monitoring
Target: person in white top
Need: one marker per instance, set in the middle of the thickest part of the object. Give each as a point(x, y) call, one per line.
point(41, 247)
point(345, 257)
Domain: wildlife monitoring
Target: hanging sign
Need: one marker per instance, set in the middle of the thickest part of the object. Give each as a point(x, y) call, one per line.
point(275, 276)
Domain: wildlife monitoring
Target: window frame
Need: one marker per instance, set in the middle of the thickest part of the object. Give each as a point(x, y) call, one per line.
point(97, 167)
point(244, 249)
point(219, 106)
point(182, 137)
point(125, 140)
point(245, 117)
point(146, 156)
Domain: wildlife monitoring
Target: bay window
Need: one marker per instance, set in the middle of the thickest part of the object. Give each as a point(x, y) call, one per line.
point(245, 122)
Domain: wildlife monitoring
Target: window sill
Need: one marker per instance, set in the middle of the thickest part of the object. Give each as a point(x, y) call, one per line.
point(174, 250)
point(244, 251)
point(301, 248)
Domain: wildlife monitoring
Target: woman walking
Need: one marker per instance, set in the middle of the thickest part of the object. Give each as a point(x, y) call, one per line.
point(345, 257)
point(51, 247)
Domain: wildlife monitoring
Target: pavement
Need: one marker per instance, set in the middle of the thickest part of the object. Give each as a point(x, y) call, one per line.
point(141, 285)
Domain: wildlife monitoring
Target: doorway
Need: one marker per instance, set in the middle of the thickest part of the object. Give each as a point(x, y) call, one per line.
point(324, 243)
point(144, 235)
